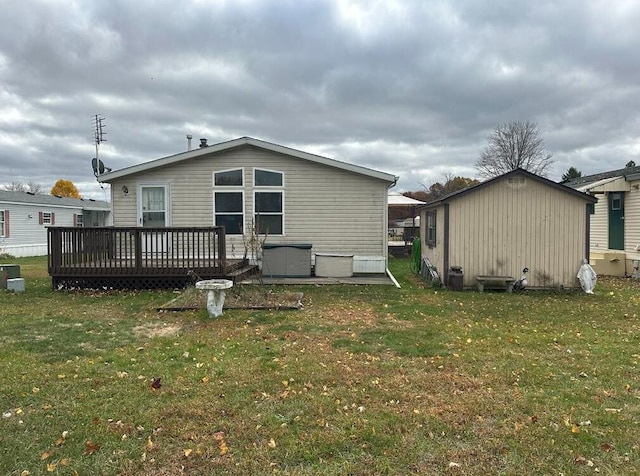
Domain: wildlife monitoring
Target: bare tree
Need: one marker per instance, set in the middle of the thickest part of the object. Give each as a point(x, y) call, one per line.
point(511, 146)
point(30, 187)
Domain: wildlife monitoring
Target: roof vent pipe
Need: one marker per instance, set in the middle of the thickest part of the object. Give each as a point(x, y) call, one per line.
point(203, 143)
point(189, 137)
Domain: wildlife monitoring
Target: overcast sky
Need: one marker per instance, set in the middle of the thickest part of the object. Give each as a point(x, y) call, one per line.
point(412, 88)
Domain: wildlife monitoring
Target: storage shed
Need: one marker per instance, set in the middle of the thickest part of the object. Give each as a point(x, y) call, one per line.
point(505, 224)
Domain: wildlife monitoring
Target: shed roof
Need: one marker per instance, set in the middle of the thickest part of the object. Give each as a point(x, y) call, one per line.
point(226, 146)
point(7, 196)
point(517, 172)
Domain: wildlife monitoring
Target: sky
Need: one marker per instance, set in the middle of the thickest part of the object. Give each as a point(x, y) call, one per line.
point(408, 87)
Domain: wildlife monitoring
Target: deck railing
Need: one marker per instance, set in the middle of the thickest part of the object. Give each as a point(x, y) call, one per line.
point(136, 252)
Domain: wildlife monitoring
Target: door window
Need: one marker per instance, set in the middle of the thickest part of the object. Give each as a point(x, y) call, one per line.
point(154, 206)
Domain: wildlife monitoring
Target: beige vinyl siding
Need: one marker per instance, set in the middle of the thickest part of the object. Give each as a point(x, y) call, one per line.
point(632, 219)
point(500, 229)
point(599, 234)
point(333, 209)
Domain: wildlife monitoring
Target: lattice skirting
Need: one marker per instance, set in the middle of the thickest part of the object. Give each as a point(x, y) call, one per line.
point(121, 282)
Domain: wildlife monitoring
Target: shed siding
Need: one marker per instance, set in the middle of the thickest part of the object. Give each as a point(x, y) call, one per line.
point(500, 229)
point(435, 254)
point(508, 225)
point(333, 209)
point(599, 235)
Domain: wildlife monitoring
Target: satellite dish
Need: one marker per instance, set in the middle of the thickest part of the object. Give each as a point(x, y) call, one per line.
point(94, 165)
point(98, 167)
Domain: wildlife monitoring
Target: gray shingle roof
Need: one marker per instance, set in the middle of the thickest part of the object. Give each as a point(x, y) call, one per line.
point(41, 199)
point(577, 182)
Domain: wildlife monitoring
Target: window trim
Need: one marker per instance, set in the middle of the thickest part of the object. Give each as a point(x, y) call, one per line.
point(431, 228)
point(262, 169)
point(167, 200)
point(4, 225)
point(281, 213)
point(270, 189)
point(229, 189)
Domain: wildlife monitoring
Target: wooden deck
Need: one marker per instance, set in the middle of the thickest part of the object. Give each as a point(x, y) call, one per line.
point(136, 258)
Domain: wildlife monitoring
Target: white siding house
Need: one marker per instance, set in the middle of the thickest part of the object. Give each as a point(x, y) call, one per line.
point(505, 224)
point(615, 224)
point(290, 195)
point(24, 219)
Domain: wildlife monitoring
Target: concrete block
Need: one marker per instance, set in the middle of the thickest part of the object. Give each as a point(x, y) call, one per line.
point(16, 285)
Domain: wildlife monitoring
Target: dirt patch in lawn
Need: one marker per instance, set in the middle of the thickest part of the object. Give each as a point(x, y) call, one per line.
point(156, 330)
point(240, 297)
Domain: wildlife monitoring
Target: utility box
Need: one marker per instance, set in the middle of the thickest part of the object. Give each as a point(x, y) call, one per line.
point(15, 285)
point(286, 260)
point(12, 270)
point(456, 278)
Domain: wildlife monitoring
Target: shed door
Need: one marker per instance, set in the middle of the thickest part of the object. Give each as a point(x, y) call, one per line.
point(616, 221)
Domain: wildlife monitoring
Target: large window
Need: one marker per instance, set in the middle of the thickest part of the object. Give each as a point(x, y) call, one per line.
point(228, 200)
point(269, 202)
point(430, 229)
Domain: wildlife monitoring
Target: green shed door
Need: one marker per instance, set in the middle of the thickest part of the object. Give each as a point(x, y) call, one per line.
point(616, 221)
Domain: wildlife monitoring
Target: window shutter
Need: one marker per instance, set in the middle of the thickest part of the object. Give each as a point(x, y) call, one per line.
point(6, 223)
point(75, 219)
point(40, 218)
point(53, 218)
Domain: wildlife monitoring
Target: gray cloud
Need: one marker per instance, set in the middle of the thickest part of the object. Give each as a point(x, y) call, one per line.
point(408, 87)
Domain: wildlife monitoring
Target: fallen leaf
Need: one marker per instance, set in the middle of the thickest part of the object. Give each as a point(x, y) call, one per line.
point(90, 447)
point(205, 379)
point(59, 441)
point(26, 472)
point(51, 467)
point(156, 383)
point(187, 452)
point(606, 447)
point(149, 444)
point(46, 454)
point(272, 443)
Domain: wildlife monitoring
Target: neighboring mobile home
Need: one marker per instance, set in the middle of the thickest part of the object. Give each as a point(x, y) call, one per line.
point(615, 224)
point(505, 224)
point(293, 197)
point(24, 218)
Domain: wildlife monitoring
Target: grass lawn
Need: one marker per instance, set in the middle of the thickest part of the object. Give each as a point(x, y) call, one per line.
point(363, 380)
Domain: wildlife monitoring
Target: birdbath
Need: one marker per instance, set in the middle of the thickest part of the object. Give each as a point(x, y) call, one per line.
point(215, 294)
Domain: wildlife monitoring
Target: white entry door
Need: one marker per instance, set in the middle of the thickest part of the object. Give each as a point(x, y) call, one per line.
point(153, 212)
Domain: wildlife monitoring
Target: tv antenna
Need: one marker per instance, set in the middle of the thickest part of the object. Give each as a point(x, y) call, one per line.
point(98, 138)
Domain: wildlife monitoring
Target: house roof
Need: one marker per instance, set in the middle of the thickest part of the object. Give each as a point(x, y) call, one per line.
point(516, 172)
point(632, 173)
point(242, 141)
point(52, 200)
point(398, 200)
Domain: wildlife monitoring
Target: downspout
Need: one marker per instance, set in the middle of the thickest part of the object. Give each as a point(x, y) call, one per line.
point(445, 260)
point(385, 233)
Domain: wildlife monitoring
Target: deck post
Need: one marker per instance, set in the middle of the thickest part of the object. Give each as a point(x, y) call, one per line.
point(138, 241)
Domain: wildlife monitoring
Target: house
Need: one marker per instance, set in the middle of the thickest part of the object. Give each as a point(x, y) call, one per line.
point(290, 196)
point(24, 218)
point(615, 224)
point(505, 224)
